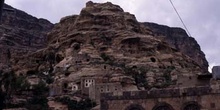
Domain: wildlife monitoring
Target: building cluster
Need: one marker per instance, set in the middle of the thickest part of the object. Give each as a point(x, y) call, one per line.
point(204, 96)
point(91, 86)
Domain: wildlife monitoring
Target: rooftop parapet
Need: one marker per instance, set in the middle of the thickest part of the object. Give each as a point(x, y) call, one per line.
point(159, 93)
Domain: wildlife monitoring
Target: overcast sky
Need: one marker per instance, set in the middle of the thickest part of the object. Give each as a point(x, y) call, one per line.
point(200, 16)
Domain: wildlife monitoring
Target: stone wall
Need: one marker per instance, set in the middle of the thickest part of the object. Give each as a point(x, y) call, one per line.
point(97, 89)
point(201, 98)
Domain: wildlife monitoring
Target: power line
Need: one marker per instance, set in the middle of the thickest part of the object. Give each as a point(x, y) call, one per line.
point(180, 17)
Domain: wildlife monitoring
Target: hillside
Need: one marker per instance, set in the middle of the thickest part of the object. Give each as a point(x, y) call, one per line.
point(102, 47)
point(20, 34)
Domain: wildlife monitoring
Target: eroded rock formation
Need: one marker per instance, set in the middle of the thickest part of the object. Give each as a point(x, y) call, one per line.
point(103, 40)
point(179, 39)
point(102, 46)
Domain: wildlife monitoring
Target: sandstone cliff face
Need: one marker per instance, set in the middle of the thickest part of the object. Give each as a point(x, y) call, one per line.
point(102, 44)
point(107, 43)
point(179, 39)
point(21, 33)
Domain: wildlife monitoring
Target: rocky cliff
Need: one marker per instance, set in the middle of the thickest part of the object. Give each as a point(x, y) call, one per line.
point(104, 41)
point(21, 33)
point(103, 46)
point(178, 38)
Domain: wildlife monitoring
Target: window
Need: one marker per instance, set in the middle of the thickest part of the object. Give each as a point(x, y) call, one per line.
point(135, 107)
point(74, 87)
point(65, 85)
point(191, 106)
point(101, 90)
point(190, 77)
point(163, 106)
point(107, 89)
point(87, 60)
point(212, 105)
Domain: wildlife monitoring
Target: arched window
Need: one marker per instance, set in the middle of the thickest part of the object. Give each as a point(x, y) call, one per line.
point(135, 107)
point(163, 106)
point(191, 106)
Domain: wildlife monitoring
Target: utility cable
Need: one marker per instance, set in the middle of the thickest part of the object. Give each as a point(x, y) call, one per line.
point(180, 17)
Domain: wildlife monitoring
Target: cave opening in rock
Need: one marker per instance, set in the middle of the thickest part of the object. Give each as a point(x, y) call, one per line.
point(153, 59)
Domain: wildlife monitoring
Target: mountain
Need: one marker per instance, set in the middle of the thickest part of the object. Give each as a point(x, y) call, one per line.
point(103, 38)
point(21, 33)
point(101, 47)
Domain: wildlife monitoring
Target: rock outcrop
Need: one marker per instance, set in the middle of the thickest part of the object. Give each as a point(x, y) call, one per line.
point(106, 42)
point(20, 34)
point(178, 38)
point(103, 46)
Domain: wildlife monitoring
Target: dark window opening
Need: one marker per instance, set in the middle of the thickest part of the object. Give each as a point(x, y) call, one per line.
point(74, 87)
point(163, 108)
point(190, 77)
point(77, 47)
point(184, 94)
point(65, 85)
point(104, 66)
point(87, 60)
point(212, 105)
point(191, 107)
point(135, 107)
point(134, 66)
